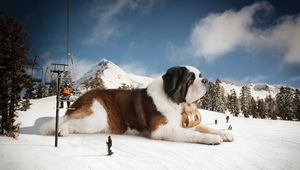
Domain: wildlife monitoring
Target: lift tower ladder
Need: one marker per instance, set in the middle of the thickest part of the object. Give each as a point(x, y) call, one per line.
point(58, 69)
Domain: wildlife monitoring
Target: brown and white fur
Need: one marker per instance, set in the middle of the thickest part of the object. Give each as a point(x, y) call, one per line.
point(154, 111)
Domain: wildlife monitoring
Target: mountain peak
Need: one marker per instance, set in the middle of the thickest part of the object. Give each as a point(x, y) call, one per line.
point(103, 62)
point(114, 76)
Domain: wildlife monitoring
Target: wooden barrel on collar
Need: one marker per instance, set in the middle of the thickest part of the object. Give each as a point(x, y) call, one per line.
point(191, 119)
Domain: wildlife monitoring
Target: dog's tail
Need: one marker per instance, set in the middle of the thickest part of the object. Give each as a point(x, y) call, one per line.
point(49, 127)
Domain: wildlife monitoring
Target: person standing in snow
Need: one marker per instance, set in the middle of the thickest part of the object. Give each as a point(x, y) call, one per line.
point(109, 145)
point(65, 95)
point(227, 119)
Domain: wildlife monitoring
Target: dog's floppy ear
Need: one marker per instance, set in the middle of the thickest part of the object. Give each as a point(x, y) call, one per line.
point(172, 87)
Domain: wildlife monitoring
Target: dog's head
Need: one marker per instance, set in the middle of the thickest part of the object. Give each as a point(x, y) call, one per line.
point(184, 84)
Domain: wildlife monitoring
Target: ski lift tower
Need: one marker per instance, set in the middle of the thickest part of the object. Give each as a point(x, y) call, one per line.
point(58, 69)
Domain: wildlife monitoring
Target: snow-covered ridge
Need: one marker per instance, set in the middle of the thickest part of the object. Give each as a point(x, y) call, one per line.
point(113, 76)
point(259, 90)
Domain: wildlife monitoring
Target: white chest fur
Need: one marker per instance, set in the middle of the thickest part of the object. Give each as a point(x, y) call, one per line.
point(169, 109)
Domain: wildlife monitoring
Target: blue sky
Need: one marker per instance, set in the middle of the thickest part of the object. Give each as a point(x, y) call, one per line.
point(243, 41)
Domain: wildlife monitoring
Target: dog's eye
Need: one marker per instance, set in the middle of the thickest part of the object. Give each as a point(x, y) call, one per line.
point(200, 75)
point(191, 78)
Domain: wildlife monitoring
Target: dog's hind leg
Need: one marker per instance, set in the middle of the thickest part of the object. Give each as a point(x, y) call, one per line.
point(95, 121)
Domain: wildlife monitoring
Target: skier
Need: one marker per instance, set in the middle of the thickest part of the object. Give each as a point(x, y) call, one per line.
point(230, 127)
point(227, 119)
point(109, 145)
point(65, 94)
point(216, 121)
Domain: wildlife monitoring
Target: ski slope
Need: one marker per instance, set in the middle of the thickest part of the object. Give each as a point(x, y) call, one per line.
point(258, 144)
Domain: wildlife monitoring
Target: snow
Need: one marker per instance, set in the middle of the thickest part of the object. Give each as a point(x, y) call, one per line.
point(258, 144)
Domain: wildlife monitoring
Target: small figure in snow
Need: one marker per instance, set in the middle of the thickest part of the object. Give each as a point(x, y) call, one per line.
point(109, 145)
point(227, 119)
point(216, 121)
point(65, 94)
point(230, 127)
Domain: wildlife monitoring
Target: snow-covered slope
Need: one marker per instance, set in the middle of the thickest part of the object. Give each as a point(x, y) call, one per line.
point(113, 76)
point(260, 90)
point(258, 144)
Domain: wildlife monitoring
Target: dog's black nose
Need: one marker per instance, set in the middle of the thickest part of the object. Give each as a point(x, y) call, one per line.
point(204, 81)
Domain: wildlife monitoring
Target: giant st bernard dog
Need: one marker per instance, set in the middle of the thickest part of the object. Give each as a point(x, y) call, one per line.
point(154, 111)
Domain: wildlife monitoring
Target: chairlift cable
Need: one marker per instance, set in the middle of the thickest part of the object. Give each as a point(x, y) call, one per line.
point(42, 24)
point(68, 30)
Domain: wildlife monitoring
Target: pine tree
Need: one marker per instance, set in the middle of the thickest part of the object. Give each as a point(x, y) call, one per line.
point(41, 91)
point(229, 103)
point(90, 84)
point(219, 97)
point(245, 98)
point(253, 108)
point(28, 95)
point(233, 103)
point(297, 104)
point(213, 102)
point(67, 79)
point(97, 82)
point(126, 87)
point(261, 108)
point(207, 102)
point(284, 100)
point(53, 88)
point(86, 85)
point(270, 107)
point(13, 62)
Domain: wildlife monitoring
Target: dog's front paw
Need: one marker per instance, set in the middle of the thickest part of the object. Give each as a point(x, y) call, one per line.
point(227, 137)
point(63, 131)
point(213, 139)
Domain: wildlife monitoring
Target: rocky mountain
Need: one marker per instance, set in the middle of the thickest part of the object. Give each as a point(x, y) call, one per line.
point(259, 90)
point(113, 76)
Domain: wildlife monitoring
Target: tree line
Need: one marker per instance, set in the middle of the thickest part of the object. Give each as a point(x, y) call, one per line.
point(285, 105)
point(96, 82)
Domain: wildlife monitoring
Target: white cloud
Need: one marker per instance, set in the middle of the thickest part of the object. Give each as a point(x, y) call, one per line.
point(295, 79)
point(135, 67)
point(78, 67)
point(286, 35)
point(220, 33)
point(108, 17)
point(138, 68)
